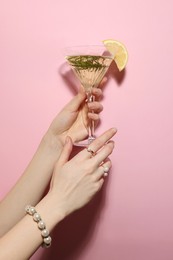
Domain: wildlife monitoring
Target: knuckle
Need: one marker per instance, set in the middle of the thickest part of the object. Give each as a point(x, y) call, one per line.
point(93, 178)
point(88, 168)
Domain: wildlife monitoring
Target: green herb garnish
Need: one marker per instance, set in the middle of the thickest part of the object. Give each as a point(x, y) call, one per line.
point(84, 62)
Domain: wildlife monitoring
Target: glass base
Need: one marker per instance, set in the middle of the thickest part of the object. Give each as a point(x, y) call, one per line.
point(85, 143)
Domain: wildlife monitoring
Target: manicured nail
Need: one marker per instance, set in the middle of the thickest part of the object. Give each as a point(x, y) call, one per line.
point(114, 129)
point(111, 142)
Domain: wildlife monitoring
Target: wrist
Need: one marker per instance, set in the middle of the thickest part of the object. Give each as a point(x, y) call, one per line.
point(52, 144)
point(51, 213)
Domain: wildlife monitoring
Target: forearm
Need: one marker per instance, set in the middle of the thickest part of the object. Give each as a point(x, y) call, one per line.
point(32, 184)
point(13, 246)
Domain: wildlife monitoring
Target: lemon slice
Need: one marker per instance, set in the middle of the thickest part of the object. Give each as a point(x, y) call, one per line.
point(119, 52)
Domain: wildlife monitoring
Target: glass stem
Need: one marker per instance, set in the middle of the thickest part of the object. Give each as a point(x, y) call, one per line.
point(90, 98)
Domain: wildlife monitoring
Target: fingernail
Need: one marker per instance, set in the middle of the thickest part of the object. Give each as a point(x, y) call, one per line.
point(114, 129)
point(111, 142)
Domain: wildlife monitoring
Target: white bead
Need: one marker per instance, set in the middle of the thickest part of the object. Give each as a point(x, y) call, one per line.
point(46, 245)
point(41, 224)
point(106, 169)
point(32, 210)
point(45, 233)
point(47, 240)
point(36, 217)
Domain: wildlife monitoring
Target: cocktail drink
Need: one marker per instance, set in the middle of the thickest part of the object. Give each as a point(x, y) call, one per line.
point(89, 69)
point(89, 63)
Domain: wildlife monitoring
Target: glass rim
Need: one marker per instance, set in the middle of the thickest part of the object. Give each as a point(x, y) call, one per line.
point(89, 48)
point(85, 45)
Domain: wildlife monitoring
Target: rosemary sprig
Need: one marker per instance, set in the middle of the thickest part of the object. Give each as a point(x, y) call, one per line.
point(83, 62)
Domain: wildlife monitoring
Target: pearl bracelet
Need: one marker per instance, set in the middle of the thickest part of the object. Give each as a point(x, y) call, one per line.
point(41, 225)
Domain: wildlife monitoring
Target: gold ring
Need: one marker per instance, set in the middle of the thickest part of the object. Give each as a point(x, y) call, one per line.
point(89, 150)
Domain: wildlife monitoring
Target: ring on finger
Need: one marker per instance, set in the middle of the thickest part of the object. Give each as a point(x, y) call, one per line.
point(89, 150)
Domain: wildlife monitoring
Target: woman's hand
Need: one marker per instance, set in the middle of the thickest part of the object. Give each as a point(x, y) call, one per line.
point(74, 118)
point(70, 121)
point(76, 181)
point(73, 185)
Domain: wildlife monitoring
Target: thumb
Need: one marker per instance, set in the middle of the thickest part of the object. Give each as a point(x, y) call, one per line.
point(65, 154)
point(76, 102)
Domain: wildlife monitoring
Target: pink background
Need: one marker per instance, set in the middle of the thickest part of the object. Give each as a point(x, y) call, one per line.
point(132, 218)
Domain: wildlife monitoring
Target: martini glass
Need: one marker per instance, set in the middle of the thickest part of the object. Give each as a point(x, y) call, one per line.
point(89, 64)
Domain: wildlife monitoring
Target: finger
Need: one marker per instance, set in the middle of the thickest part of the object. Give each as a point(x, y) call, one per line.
point(98, 143)
point(99, 184)
point(97, 92)
point(95, 106)
point(102, 170)
point(103, 153)
point(65, 154)
point(93, 116)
